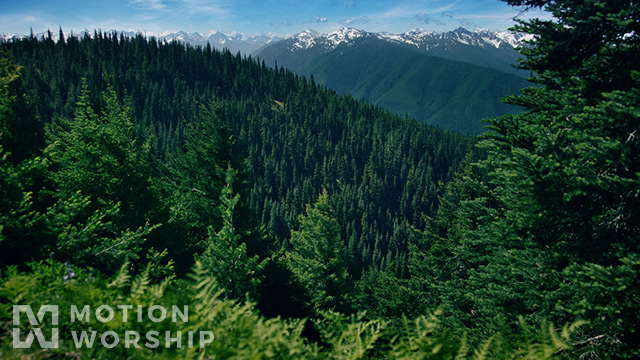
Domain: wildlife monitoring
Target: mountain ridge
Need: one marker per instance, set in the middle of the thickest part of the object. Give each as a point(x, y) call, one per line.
point(452, 80)
point(233, 41)
point(417, 37)
point(492, 49)
point(253, 43)
point(451, 95)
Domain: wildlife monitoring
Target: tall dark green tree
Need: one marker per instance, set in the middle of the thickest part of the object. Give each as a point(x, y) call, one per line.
point(557, 197)
point(225, 255)
point(21, 131)
point(99, 154)
point(22, 235)
point(192, 183)
point(97, 160)
point(318, 257)
point(43, 218)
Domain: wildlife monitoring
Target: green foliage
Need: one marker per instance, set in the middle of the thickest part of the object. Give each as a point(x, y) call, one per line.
point(225, 256)
point(386, 296)
point(447, 90)
point(349, 337)
point(420, 339)
point(192, 184)
point(101, 174)
point(66, 225)
point(22, 226)
point(99, 156)
point(20, 171)
point(21, 132)
point(318, 257)
point(239, 332)
point(607, 295)
point(545, 222)
point(595, 41)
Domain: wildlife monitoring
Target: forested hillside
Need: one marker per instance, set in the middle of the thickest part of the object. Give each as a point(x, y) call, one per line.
point(297, 138)
point(297, 223)
point(449, 94)
point(442, 80)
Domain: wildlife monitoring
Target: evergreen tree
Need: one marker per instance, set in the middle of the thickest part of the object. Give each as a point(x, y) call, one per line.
point(318, 257)
point(192, 183)
point(97, 162)
point(100, 156)
point(40, 219)
point(21, 132)
point(225, 256)
point(557, 196)
point(21, 173)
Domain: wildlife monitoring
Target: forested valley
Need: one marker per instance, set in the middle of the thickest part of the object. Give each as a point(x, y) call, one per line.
point(298, 223)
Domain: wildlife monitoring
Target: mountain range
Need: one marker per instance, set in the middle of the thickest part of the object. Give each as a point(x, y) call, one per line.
point(233, 41)
point(482, 47)
point(452, 80)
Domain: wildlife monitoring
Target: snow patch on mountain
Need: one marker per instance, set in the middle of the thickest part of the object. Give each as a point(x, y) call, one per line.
point(344, 35)
point(234, 41)
point(305, 40)
point(514, 39)
point(417, 37)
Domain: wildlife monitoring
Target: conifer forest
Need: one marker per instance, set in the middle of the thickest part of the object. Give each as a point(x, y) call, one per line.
point(298, 223)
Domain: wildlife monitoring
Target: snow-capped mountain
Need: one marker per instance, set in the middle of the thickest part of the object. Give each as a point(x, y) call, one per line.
point(452, 80)
point(486, 48)
point(234, 41)
point(419, 38)
point(483, 38)
point(312, 39)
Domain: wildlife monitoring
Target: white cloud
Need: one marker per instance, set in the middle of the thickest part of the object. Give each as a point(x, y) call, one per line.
point(278, 24)
point(22, 23)
point(318, 19)
point(204, 7)
point(353, 21)
point(423, 18)
point(157, 5)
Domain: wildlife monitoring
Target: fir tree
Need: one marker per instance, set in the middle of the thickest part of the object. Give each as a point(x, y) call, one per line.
point(318, 257)
point(225, 256)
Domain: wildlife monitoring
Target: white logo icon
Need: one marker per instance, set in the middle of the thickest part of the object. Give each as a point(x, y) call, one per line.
point(35, 321)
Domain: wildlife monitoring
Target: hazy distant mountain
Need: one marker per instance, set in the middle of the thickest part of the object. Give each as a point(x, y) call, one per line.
point(452, 80)
point(233, 41)
point(484, 47)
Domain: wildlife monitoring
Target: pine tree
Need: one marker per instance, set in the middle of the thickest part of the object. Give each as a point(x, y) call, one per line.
point(225, 256)
point(100, 156)
point(557, 195)
point(101, 176)
point(318, 257)
point(21, 131)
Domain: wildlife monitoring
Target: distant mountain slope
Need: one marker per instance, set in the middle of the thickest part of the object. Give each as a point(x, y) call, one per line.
point(233, 41)
point(486, 48)
point(410, 75)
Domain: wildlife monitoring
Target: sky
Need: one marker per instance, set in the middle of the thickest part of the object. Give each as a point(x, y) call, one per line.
point(271, 17)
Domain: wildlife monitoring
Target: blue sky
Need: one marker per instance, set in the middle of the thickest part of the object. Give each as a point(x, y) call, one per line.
point(254, 16)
